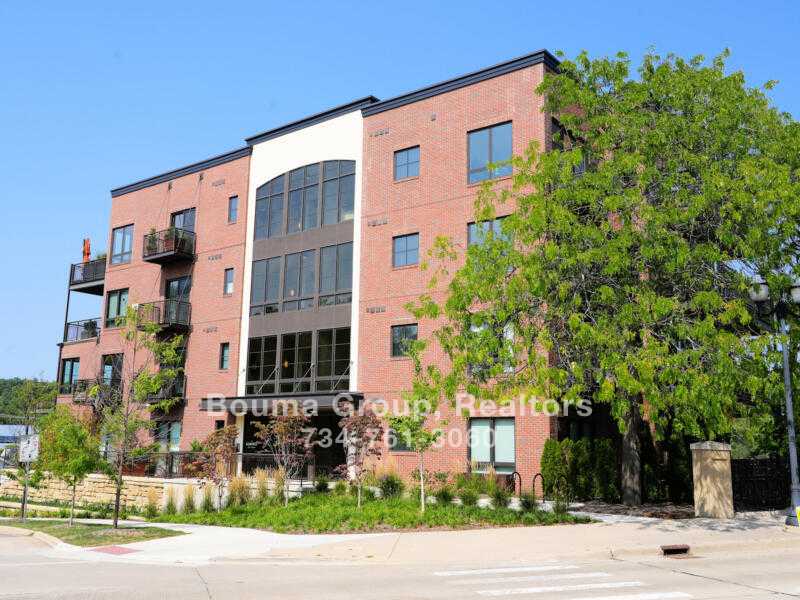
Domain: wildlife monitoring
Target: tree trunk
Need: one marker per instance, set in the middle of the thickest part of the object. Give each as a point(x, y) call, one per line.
point(421, 484)
point(358, 503)
point(118, 494)
point(24, 509)
point(631, 459)
point(72, 508)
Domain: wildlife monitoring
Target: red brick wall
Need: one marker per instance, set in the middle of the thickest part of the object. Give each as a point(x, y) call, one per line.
point(215, 318)
point(437, 203)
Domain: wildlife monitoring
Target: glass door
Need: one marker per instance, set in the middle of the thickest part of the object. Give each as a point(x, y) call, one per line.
point(176, 304)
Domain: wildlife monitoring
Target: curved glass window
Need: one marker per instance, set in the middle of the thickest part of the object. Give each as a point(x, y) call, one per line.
point(314, 195)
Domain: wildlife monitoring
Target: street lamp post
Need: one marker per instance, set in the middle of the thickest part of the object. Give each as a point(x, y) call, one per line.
point(780, 309)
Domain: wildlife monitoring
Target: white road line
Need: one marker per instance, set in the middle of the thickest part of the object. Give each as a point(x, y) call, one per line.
point(648, 596)
point(504, 570)
point(491, 580)
point(561, 588)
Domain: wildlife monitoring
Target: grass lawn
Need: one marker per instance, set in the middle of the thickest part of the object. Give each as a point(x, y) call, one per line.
point(329, 513)
point(94, 534)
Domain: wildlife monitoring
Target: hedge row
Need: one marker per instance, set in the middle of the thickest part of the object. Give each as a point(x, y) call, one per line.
point(581, 469)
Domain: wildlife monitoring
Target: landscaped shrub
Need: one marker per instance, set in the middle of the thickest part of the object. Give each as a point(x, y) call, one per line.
point(469, 497)
point(322, 485)
point(171, 507)
point(500, 496)
point(472, 481)
point(188, 499)
point(262, 485)
point(391, 485)
point(151, 508)
point(340, 488)
point(553, 465)
point(239, 491)
point(580, 477)
point(528, 502)
point(208, 498)
point(279, 481)
point(605, 482)
point(444, 495)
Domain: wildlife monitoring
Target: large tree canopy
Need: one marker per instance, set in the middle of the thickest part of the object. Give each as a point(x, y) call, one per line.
point(618, 276)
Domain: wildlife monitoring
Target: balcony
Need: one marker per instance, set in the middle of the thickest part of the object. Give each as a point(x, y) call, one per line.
point(169, 246)
point(173, 316)
point(88, 276)
point(106, 391)
point(175, 389)
point(77, 331)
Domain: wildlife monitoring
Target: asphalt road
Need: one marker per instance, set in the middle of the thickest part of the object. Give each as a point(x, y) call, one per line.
point(26, 573)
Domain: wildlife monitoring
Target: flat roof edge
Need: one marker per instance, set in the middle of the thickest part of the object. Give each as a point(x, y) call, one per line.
point(182, 171)
point(509, 66)
point(320, 117)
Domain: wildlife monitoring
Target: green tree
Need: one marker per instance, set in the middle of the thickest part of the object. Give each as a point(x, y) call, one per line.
point(618, 278)
point(124, 408)
point(68, 450)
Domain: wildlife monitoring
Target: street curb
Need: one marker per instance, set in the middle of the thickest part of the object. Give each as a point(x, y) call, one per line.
point(44, 537)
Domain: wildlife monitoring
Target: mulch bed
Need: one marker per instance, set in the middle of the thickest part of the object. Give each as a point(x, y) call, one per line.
point(658, 511)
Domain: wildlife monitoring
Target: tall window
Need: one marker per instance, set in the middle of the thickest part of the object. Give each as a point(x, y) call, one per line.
point(262, 365)
point(336, 274)
point(69, 375)
point(233, 209)
point(338, 191)
point(121, 245)
point(303, 199)
point(492, 444)
point(333, 359)
point(227, 285)
point(111, 369)
point(224, 355)
point(183, 219)
point(476, 232)
point(406, 163)
point(269, 209)
point(487, 146)
point(116, 304)
point(405, 250)
point(402, 336)
point(266, 286)
point(299, 280)
point(168, 435)
point(295, 370)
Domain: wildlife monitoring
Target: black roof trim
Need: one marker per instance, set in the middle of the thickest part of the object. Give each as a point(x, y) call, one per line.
point(535, 58)
point(187, 170)
point(312, 120)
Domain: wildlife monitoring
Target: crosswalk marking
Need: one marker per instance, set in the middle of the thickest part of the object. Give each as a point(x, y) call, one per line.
point(498, 571)
point(561, 588)
point(551, 577)
point(647, 596)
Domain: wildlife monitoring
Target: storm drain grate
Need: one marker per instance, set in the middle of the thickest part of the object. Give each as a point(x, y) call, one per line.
point(675, 550)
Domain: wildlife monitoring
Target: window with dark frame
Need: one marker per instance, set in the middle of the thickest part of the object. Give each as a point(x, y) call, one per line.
point(116, 305)
point(183, 219)
point(338, 191)
point(396, 443)
point(477, 232)
point(233, 209)
point(402, 337)
point(405, 250)
point(299, 280)
point(227, 285)
point(492, 444)
point(406, 163)
point(336, 274)
point(219, 424)
point(490, 145)
point(69, 375)
point(224, 355)
point(121, 245)
point(269, 209)
point(309, 361)
point(111, 369)
point(266, 286)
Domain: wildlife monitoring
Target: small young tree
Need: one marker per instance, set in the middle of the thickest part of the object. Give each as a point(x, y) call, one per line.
point(411, 429)
point(289, 439)
point(363, 434)
point(124, 403)
point(215, 462)
point(68, 450)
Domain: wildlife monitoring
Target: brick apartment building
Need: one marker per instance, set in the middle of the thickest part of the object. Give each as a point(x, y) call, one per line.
point(295, 255)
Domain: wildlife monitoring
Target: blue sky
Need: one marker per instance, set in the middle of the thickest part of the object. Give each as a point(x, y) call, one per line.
point(96, 95)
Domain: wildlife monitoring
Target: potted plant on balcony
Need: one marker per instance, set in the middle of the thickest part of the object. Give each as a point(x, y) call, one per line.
point(89, 329)
point(152, 241)
point(169, 239)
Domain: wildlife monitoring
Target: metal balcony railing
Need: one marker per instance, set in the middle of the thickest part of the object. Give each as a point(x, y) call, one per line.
point(82, 388)
point(169, 314)
point(75, 331)
point(169, 245)
point(174, 389)
point(89, 274)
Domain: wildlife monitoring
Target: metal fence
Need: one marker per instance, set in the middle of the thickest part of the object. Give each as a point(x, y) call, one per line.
point(75, 331)
point(760, 483)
